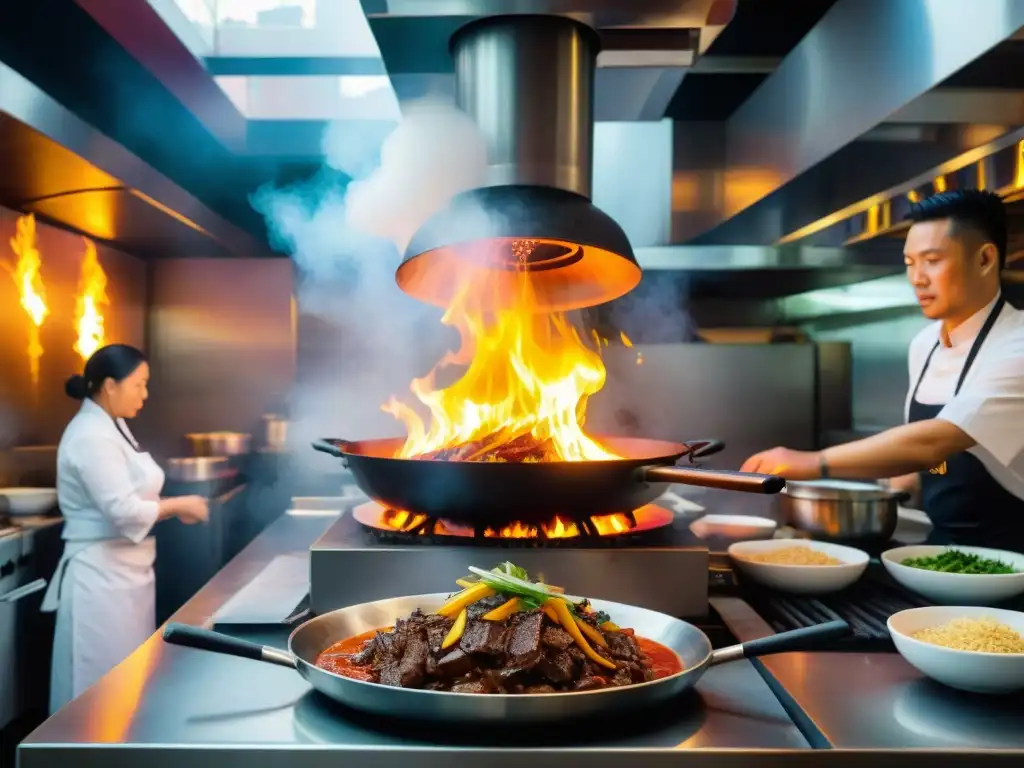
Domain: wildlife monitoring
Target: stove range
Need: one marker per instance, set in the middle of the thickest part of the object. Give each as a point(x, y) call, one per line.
point(646, 557)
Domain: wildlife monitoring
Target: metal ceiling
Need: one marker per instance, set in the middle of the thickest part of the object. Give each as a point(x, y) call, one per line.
point(646, 45)
point(791, 125)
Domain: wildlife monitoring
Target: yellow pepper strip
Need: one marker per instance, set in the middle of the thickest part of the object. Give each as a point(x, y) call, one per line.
point(465, 583)
point(465, 598)
point(610, 626)
point(565, 618)
point(455, 633)
point(503, 611)
point(550, 612)
point(592, 634)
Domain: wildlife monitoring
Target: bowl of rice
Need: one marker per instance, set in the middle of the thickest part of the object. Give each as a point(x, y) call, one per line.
point(957, 575)
point(971, 648)
point(799, 566)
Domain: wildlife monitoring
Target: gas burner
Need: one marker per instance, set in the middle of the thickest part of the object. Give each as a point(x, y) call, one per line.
point(639, 526)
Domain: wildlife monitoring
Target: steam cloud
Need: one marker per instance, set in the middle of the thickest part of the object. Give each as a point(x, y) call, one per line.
point(361, 339)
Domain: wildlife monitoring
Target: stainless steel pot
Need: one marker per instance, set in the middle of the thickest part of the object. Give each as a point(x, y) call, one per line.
point(841, 509)
point(310, 638)
point(219, 443)
point(275, 432)
point(197, 469)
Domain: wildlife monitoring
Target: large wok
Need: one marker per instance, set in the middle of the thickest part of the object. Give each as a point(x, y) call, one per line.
point(308, 640)
point(497, 492)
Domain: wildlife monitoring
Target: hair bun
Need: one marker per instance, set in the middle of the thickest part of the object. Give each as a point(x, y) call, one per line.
point(76, 387)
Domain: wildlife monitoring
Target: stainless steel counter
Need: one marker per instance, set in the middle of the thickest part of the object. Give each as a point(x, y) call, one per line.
point(877, 701)
point(167, 706)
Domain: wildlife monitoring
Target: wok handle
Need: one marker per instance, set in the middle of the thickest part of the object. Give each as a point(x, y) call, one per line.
point(329, 446)
point(208, 640)
point(700, 449)
point(803, 639)
point(723, 479)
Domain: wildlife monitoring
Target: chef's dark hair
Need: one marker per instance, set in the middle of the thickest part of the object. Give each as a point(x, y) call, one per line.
point(114, 361)
point(977, 211)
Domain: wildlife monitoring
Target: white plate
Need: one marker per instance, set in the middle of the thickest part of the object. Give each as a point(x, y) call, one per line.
point(801, 579)
point(956, 588)
point(967, 670)
point(736, 527)
point(30, 501)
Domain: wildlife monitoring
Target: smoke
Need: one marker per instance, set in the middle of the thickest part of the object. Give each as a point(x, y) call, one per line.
point(655, 312)
point(360, 338)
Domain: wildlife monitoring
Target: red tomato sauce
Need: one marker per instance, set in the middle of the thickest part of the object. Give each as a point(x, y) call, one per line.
point(664, 661)
point(333, 659)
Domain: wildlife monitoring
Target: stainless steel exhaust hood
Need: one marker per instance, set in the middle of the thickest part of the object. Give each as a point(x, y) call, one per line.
point(527, 81)
point(62, 169)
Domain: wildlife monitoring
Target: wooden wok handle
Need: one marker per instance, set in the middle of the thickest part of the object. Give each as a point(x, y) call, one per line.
point(723, 479)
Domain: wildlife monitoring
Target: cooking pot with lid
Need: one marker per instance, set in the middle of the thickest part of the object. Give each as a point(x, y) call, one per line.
point(219, 443)
point(841, 509)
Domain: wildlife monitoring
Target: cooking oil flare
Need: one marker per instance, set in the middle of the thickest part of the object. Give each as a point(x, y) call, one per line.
point(528, 375)
point(92, 294)
point(27, 276)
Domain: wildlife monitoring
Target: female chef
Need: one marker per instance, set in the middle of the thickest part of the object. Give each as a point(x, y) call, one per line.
point(964, 436)
point(109, 494)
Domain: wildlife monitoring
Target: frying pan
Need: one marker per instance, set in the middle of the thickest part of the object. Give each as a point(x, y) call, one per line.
point(483, 493)
point(308, 640)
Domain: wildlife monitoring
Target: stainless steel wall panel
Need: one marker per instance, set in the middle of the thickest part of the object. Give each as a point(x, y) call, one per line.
point(222, 345)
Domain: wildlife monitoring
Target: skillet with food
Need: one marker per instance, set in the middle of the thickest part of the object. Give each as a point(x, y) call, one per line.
point(497, 491)
point(504, 648)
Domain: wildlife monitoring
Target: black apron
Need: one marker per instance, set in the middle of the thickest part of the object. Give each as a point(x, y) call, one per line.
point(966, 505)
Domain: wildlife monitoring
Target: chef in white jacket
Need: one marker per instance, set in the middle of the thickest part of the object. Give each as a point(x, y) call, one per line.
point(109, 493)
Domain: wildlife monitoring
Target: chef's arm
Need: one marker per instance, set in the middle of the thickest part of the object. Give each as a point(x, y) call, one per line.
point(171, 507)
point(901, 450)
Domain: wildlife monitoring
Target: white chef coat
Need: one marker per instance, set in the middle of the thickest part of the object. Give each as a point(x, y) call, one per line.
point(990, 404)
point(103, 590)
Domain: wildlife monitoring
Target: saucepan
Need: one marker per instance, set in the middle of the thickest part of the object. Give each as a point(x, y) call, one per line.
point(219, 443)
point(842, 509)
point(311, 638)
point(494, 493)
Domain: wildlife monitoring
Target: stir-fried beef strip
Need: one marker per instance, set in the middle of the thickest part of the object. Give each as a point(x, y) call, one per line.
point(526, 653)
point(497, 448)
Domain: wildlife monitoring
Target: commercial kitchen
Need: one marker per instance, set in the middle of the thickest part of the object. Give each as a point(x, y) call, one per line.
point(705, 199)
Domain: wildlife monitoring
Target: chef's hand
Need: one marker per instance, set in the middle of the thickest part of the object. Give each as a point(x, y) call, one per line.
point(193, 509)
point(792, 465)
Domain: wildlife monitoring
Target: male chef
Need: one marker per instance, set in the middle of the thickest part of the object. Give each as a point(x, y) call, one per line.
point(963, 442)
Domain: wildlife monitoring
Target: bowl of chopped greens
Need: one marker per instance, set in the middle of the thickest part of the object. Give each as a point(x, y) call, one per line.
point(957, 575)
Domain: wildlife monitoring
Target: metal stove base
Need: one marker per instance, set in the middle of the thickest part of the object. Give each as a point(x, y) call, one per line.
point(347, 566)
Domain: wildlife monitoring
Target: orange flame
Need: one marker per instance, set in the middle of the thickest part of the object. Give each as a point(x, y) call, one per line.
point(26, 275)
point(528, 374)
point(92, 294)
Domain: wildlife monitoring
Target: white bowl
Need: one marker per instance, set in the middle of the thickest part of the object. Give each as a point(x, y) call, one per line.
point(801, 579)
point(966, 670)
point(957, 588)
point(737, 527)
point(30, 501)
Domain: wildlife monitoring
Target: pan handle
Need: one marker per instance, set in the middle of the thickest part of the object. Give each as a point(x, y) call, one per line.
point(700, 449)
point(329, 446)
point(803, 639)
point(208, 640)
point(723, 479)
